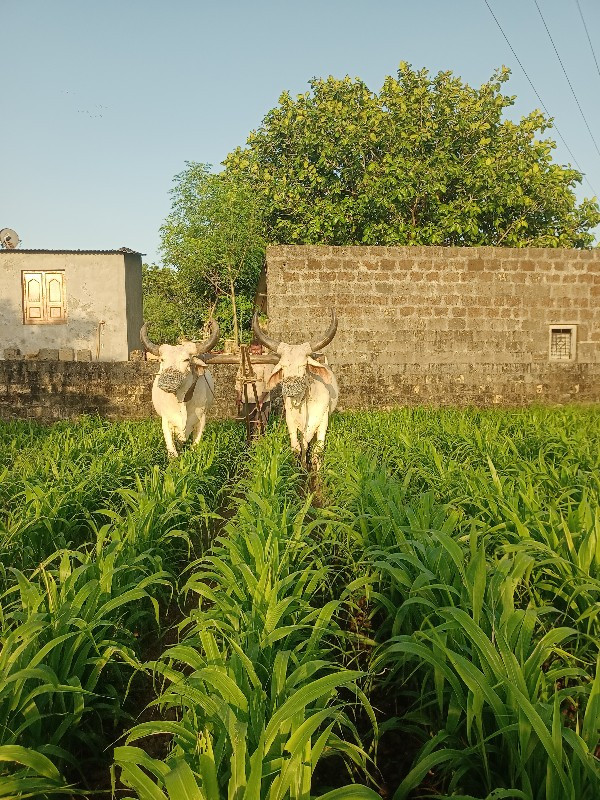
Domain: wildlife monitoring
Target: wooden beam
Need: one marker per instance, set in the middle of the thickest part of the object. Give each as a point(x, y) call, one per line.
point(235, 358)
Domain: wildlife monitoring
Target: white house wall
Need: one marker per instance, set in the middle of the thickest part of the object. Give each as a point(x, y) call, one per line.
point(96, 286)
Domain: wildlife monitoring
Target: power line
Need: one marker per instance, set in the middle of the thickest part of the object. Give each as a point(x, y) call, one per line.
point(588, 36)
point(567, 77)
point(537, 94)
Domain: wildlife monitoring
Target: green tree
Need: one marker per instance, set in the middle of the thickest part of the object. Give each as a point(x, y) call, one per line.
point(214, 238)
point(169, 308)
point(424, 161)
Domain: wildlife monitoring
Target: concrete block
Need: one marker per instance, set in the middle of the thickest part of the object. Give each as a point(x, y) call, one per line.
point(12, 354)
point(84, 355)
point(588, 352)
point(66, 354)
point(48, 354)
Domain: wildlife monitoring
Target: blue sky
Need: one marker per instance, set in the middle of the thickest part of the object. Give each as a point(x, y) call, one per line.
point(103, 102)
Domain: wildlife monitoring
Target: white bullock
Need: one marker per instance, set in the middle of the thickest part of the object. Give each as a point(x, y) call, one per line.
point(309, 388)
point(183, 389)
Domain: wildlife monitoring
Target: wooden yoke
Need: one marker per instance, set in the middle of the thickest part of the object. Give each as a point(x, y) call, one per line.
point(234, 358)
point(248, 377)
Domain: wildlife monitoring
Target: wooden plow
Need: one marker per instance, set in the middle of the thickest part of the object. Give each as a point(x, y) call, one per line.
point(248, 380)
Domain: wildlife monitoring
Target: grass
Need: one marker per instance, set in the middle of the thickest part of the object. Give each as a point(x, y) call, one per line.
point(475, 539)
point(94, 537)
point(255, 677)
point(441, 599)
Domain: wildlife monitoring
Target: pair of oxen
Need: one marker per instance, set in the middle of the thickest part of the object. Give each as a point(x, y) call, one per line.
point(183, 390)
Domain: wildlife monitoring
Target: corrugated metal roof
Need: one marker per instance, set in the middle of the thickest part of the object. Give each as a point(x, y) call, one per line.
point(120, 251)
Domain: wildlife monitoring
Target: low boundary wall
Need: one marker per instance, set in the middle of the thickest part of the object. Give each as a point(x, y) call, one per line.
point(53, 390)
point(481, 385)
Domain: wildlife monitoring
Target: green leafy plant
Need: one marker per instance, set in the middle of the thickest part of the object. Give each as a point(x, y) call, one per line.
point(253, 679)
point(426, 160)
point(214, 238)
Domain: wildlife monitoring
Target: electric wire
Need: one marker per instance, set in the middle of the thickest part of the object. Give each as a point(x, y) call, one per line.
point(588, 36)
point(567, 77)
point(537, 94)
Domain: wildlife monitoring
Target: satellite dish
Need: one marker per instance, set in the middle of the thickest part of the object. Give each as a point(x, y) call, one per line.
point(9, 238)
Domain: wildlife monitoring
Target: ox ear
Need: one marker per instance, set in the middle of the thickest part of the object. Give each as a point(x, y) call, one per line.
point(316, 368)
point(275, 378)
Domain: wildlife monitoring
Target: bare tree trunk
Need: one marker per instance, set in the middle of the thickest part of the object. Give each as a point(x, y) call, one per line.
point(236, 331)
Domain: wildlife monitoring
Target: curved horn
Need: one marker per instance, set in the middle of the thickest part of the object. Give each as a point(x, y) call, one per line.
point(207, 344)
point(329, 335)
point(262, 337)
point(148, 345)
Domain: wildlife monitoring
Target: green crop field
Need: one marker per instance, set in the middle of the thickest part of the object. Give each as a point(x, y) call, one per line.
point(421, 620)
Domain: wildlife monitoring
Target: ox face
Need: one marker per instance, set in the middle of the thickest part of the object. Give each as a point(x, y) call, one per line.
point(175, 365)
point(295, 361)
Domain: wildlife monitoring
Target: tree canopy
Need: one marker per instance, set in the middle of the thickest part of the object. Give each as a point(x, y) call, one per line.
point(171, 309)
point(424, 161)
point(214, 239)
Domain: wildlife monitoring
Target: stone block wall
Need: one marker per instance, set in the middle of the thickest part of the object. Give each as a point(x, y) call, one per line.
point(436, 325)
point(53, 390)
point(443, 325)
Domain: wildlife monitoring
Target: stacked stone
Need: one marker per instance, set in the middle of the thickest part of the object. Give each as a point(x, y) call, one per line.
point(443, 325)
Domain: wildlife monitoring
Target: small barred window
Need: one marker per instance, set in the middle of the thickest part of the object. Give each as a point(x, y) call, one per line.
point(563, 340)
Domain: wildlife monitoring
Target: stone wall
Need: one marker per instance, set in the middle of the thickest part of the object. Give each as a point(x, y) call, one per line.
point(53, 390)
point(448, 326)
point(443, 325)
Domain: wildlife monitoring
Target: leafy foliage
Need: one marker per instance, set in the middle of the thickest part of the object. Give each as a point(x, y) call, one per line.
point(214, 239)
point(256, 690)
point(73, 620)
point(474, 542)
point(170, 309)
point(431, 626)
point(424, 161)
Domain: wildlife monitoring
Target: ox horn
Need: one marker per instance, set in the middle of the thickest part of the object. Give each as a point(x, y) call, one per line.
point(207, 344)
point(148, 344)
point(262, 337)
point(329, 335)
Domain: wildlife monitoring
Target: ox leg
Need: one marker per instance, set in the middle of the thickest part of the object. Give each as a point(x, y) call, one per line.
point(293, 431)
point(168, 434)
point(199, 429)
point(318, 447)
point(304, 442)
point(181, 430)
